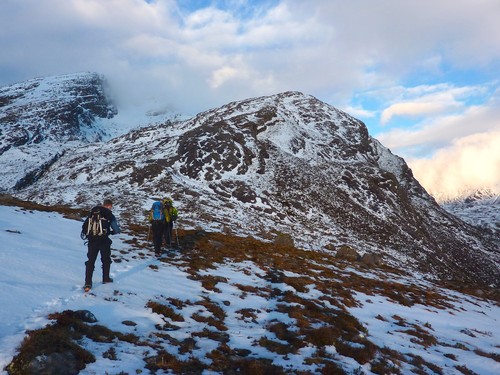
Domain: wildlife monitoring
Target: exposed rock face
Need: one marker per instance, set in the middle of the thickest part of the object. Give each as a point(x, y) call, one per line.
point(286, 163)
point(41, 117)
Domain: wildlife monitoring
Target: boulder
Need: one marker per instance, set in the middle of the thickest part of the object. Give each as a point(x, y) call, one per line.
point(347, 253)
point(371, 259)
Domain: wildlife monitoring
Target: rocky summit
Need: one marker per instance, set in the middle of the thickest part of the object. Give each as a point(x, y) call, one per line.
point(266, 167)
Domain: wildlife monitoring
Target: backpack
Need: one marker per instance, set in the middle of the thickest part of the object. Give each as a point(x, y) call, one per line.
point(96, 225)
point(157, 213)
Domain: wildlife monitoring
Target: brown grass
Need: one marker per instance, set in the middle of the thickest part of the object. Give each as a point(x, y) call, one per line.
point(61, 337)
point(164, 310)
point(420, 336)
point(493, 356)
point(248, 313)
point(210, 320)
point(420, 365)
point(275, 346)
point(216, 311)
point(382, 366)
point(66, 211)
point(45, 341)
point(464, 370)
point(166, 361)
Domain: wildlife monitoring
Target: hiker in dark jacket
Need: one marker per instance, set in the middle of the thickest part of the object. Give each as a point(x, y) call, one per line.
point(157, 221)
point(97, 228)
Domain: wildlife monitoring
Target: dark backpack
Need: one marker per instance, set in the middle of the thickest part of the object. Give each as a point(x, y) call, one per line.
point(97, 223)
point(157, 213)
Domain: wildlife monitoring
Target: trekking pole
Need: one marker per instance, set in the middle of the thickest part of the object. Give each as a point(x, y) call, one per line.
point(149, 231)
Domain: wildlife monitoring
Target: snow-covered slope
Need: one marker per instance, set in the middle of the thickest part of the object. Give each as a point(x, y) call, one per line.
point(226, 305)
point(286, 163)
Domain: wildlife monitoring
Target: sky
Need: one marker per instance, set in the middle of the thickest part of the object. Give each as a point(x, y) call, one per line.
point(42, 272)
point(422, 74)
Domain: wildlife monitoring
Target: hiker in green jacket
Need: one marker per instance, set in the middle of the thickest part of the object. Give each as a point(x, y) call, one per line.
point(170, 216)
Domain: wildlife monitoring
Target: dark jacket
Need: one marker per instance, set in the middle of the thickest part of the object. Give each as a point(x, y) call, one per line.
point(107, 225)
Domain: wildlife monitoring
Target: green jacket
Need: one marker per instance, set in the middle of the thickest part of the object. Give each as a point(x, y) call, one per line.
point(170, 214)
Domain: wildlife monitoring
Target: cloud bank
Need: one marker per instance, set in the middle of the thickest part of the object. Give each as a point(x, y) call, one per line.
point(463, 143)
point(198, 58)
point(471, 163)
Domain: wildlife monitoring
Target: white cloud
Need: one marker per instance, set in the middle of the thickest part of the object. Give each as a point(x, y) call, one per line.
point(359, 112)
point(413, 109)
point(221, 75)
point(470, 163)
point(429, 100)
point(442, 131)
point(465, 149)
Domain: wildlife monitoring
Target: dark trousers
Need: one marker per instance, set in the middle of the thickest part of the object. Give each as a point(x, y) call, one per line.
point(96, 246)
point(158, 227)
point(168, 233)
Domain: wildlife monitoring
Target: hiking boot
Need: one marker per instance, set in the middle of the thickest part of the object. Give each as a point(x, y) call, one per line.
point(87, 287)
point(107, 280)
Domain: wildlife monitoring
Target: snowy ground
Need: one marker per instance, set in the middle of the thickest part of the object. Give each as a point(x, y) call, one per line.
point(42, 269)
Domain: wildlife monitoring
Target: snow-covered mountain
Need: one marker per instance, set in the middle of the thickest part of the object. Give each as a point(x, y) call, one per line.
point(480, 208)
point(286, 163)
point(42, 118)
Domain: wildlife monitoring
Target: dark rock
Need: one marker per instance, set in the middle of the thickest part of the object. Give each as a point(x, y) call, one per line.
point(85, 316)
point(53, 364)
point(129, 323)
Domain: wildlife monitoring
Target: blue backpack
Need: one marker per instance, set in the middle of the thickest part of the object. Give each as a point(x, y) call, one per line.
point(157, 213)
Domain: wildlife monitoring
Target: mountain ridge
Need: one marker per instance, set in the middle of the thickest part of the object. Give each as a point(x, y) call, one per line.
point(285, 163)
